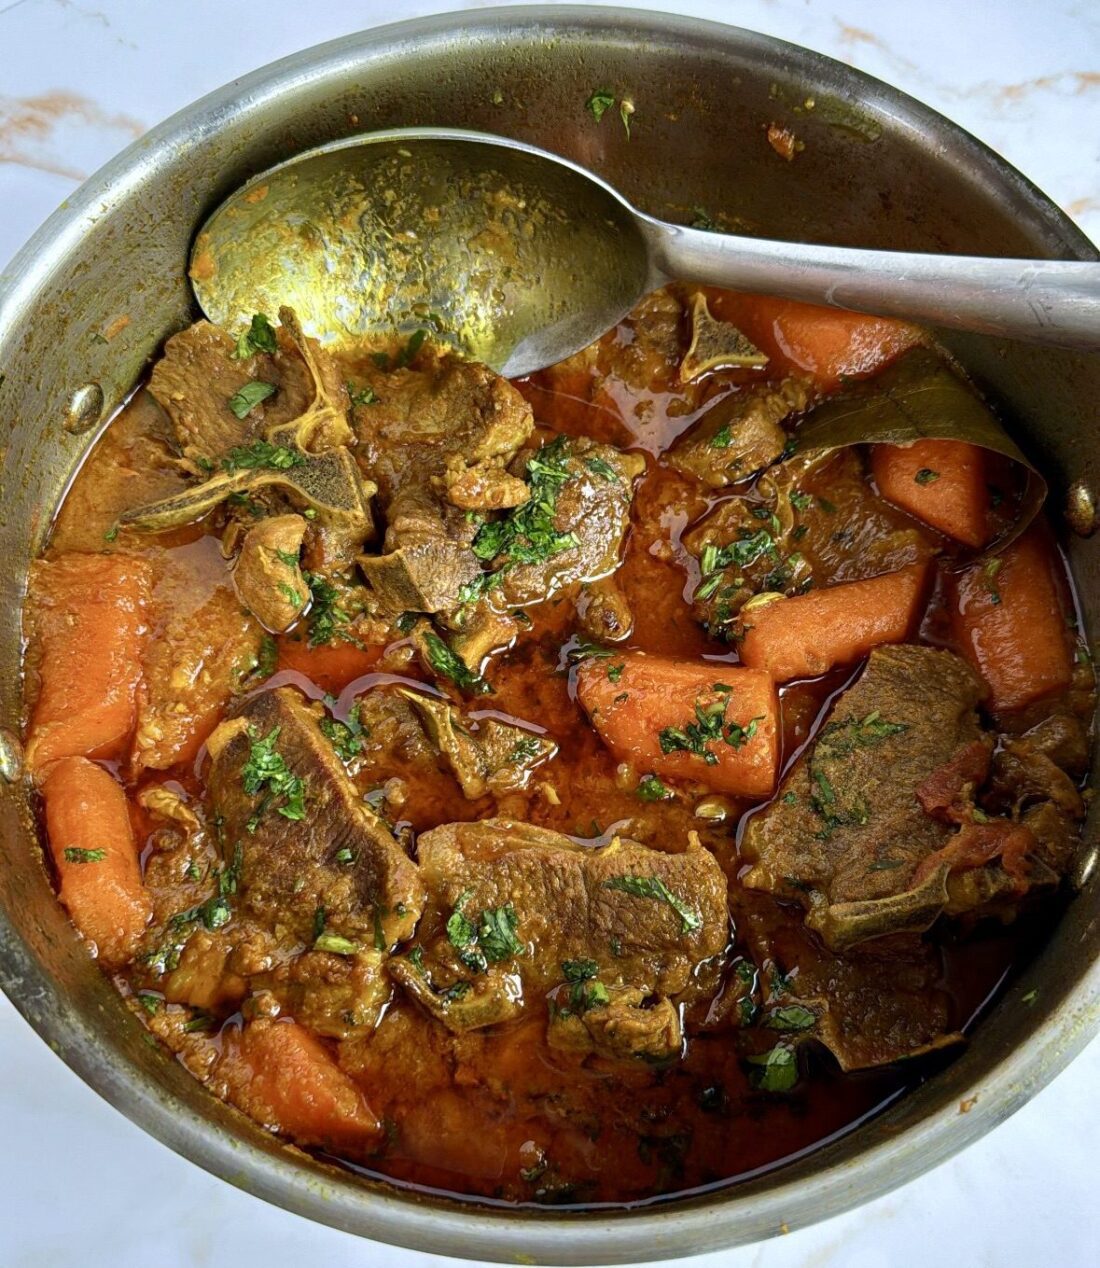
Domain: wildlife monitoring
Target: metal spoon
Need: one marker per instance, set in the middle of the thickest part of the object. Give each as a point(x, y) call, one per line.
point(520, 258)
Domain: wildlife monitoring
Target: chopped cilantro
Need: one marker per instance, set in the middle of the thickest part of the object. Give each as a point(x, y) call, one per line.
point(738, 736)
point(111, 534)
point(496, 933)
point(327, 619)
point(447, 664)
point(582, 649)
point(242, 403)
point(335, 943)
point(722, 438)
point(74, 854)
point(345, 737)
point(411, 348)
point(579, 970)
point(791, 1017)
point(800, 501)
point(268, 657)
point(774, 1071)
point(525, 750)
point(650, 788)
point(488, 939)
point(266, 772)
point(528, 534)
point(365, 395)
point(603, 469)
point(599, 103)
point(213, 914)
point(655, 888)
point(584, 991)
point(230, 874)
point(926, 476)
point(615, 672)
point(261, 453)
point(259, 337)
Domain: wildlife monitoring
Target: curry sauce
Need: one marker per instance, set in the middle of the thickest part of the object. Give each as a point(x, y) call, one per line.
point(438, 876)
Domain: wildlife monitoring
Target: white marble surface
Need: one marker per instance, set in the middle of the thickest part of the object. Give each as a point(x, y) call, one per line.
point(79, 1185)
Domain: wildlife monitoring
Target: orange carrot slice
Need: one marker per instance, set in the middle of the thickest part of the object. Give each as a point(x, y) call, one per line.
point(280, 1074)
point(1009, 620)
point(809, 634)
point(711, 724)
point(88, 618)
point(828, 344)
point(942, 482)
point(92, 844)
point(331, 667)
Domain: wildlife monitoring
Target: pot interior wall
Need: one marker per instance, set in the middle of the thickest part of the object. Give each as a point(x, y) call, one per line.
point(876, 171)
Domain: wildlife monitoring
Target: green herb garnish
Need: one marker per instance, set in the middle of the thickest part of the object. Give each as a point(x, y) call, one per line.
point(242, 403)
point(261, 454)
point(599, 103)
point(447, 664)
point(268, 658)
point(266, 772)
point(790, 1017)
point(74, 854)
point(496, 933)
point(336, 944)
point(926, 476)
point(774, 1071)
point(345, 737)
point(528, 535)
point(365, 395)
point(650, 788)
point(259, 337)
point(655, 888)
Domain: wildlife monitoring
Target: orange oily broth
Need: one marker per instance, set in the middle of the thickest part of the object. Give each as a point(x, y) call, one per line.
point(499, 1114)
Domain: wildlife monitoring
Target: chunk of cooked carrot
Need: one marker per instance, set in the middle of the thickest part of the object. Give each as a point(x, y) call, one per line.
point(942, 482)
point(280, 1074)
point(711, 724)
point(809, 634)
point(93, 849)
point(828, 344)
point(1008, 617)
point(330, 666)
point(88, 618)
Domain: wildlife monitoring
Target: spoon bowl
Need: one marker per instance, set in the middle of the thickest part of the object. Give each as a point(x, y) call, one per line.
point(508, 254)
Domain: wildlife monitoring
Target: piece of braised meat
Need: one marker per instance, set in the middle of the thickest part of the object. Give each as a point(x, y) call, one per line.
point(486, 756)
point(879, 1002)
point(517, 910)
point(875, 830)
point(315, 862)
point(437, 439)
point(200, 373)
point(206, 648)
point(585, 490)
point(740, 435)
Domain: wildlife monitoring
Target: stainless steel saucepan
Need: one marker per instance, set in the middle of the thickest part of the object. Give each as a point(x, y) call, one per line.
point(878, 170)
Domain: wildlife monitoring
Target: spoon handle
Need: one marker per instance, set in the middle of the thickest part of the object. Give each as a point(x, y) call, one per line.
point(1040, 301)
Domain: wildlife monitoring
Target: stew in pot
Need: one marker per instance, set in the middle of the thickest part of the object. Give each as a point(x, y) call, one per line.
point(577, 790)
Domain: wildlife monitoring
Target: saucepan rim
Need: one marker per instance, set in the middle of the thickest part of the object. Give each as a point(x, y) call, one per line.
point(711, 1221)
